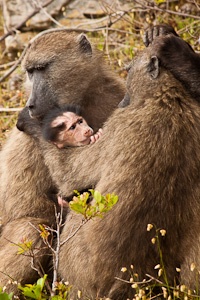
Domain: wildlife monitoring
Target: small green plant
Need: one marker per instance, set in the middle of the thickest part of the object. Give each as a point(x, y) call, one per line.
point(24, 246)
point(81, 205)
point(35, 291)
point(4, 295)
point(102, 204)
point(63, 291)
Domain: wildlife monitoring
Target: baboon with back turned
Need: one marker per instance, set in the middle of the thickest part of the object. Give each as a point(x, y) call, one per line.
point(149, 155)
point(182, 61)
point(62, 67)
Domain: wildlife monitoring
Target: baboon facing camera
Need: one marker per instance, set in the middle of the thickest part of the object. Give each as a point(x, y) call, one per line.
point(63, 68)
point(151, 160)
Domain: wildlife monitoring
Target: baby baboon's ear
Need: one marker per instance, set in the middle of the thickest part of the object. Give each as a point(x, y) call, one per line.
point(153, 67)
point(84, 44)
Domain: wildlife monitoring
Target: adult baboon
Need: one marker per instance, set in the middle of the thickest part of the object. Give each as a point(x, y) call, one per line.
point(149, 155)
point(62, 67)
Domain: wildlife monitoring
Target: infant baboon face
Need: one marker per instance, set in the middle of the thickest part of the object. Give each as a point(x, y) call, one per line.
point(73, 130)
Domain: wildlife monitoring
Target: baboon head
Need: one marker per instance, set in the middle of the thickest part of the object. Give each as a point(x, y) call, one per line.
point(143, 68)
point(147, 70)
point(59, 66)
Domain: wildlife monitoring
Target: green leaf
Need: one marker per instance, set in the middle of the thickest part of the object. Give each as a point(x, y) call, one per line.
point(77, 207)
point(91, 191)
point(108, 197)
point(159, 1)
point(101, 207)
point(41, 281)
point(5, 296)
point(28, 293)
point(76, 192)
point(10, 296)
point(97, 196)
point(37, 291)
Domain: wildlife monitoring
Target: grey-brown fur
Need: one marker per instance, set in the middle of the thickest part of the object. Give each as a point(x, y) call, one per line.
point(149, 155)
point(74, 68)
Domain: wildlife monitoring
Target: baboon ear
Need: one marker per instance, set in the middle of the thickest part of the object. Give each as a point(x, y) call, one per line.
point(153, 67)
point(84, 44)
point(125, 102)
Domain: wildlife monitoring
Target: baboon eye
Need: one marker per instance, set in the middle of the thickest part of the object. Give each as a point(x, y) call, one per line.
point(80, 121)
point(127, 68)
point(41, 68)
point(72, 127)
point(30, 70)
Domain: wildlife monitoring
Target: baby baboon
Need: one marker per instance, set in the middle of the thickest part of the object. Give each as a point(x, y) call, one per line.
point(151, 160)
point(65, 126)
point(62, 66)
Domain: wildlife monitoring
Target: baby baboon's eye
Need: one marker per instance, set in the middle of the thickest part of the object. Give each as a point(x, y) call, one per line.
point(72, 127)
point(80, 121)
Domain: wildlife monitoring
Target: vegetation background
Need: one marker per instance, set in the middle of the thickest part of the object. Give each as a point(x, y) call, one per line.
point(117, 33)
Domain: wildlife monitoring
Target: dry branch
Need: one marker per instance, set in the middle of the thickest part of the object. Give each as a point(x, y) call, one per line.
point(10, 109)
point(24, 22)
point(15, 65)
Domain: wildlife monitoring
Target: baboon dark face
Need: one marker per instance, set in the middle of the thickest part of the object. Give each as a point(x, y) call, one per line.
point(51, 81)
point(40, 90)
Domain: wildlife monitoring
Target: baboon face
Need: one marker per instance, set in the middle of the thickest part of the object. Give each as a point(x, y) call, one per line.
point(70, 130)
point(60, 70)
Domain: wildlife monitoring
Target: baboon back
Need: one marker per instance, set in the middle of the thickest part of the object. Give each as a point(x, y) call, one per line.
point(149, 156)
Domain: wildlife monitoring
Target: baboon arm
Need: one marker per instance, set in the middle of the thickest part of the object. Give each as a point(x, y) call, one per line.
point(159, 30)
point(30, 126)
point(70, 168)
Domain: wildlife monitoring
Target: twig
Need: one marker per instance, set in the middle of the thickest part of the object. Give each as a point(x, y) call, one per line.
point(171, 287)
point(46, 13)
point(10, 109)
point(24, 22)
point(155, 7)
point(34, 265)
point(15, 65)
point(4, 66)
point(141, 282)
point(73, 234)
point(153, 278)
point(106, 41)
point(57, 251)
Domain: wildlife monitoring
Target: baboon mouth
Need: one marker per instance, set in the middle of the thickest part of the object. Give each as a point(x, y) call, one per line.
point(35, 116)
point(86, 141)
